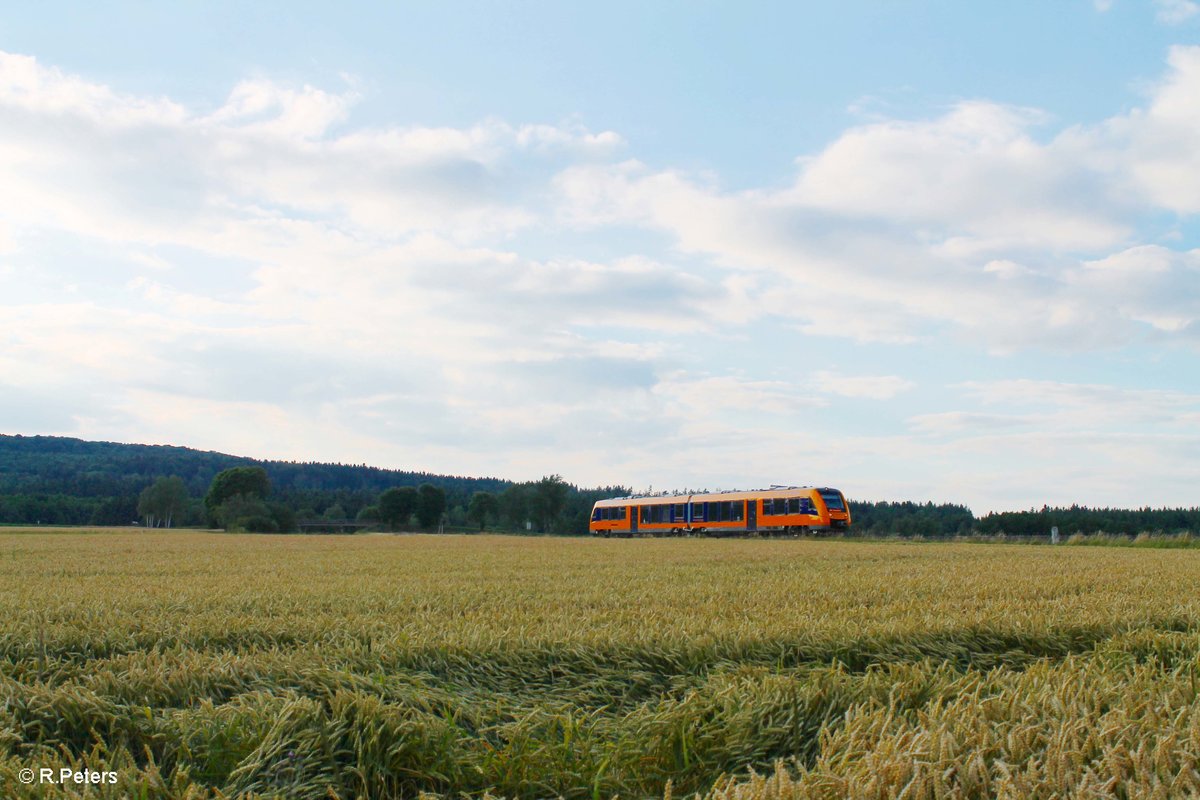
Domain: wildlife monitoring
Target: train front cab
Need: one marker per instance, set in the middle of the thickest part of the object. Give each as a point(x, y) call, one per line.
point(609, 518)
point(836, 509)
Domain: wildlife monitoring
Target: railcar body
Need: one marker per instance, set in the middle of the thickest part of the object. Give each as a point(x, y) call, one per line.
point(776, 511)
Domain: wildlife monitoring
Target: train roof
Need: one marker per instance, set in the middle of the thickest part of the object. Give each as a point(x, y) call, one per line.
point(750, 494)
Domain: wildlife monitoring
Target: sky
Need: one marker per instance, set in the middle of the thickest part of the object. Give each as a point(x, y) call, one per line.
point(922, 251)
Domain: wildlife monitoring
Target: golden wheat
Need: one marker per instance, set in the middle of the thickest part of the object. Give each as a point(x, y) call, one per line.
point(204, 665)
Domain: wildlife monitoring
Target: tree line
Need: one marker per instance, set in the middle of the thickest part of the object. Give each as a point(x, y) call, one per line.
point(63, 481)
point(1080, 519)
point(241, 499)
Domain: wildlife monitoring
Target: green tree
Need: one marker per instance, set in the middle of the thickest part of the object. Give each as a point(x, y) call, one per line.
point(245, 513)
point(283, 517)
point(397, 505)
point(484, 506)
point(547, 501)
point(515, 504)
point(237, 500)
point(229, 483)
point(162, 501)
point(431, 504)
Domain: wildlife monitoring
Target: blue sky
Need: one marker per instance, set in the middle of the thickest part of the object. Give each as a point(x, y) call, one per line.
point(937, 251)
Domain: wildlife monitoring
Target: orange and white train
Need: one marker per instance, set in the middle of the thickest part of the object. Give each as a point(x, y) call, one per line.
point(786, 510)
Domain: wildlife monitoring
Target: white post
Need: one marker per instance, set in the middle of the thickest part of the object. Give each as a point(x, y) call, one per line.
point(1054, 535)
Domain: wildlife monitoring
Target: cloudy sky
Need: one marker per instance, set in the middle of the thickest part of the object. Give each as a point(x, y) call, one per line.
point(915, 250)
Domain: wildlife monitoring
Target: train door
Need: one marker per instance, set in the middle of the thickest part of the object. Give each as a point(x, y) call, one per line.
point(751, 515)
point(633, 519)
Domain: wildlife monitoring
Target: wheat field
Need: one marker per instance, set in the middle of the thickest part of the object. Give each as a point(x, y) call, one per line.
point(198, 665)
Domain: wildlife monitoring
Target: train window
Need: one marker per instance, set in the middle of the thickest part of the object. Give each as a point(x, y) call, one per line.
point(656, 513)
point(596, 513)
point(679, 512)
point(833, 500)
point(622, 510)
point(698, 512)
point(739, 509)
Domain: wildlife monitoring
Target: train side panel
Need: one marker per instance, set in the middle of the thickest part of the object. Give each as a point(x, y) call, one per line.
point(771, 511)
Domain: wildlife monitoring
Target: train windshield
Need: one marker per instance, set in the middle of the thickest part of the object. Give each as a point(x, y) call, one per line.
point(833, 500)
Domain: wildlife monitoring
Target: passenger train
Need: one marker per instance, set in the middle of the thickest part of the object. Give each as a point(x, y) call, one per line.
point(779, 510)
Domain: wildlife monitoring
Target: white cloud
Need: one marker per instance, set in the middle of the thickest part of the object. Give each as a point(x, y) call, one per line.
point(265, 108)
point(1159, 146)
point(1038, 441)
point(874, 387)
point(959, 422)
point(1176, 12)
point(702, 397)
point(968, 222)
point(43, 90)
point(976, 168)
point(1076, 405)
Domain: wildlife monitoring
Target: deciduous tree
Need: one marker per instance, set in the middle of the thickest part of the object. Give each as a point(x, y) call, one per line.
point(484, 506)
point(229, 483)
point(163, 501)
point(431, 504)
point(547, 501)
point(397, 505)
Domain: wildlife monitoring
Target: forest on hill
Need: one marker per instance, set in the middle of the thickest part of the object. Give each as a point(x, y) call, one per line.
point(54, 480)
